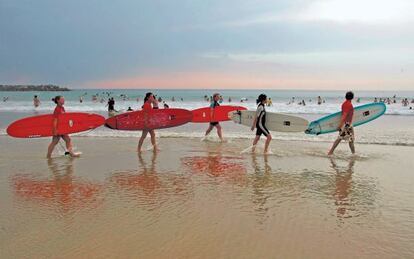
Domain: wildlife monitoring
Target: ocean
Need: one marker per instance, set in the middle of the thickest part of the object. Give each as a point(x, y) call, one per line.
point(395, 128)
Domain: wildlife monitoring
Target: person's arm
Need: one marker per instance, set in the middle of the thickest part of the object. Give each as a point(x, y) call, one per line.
point(145, 118)
point(342, 122)
point(54, 126)
point(254, 123)
point(155, 104)
point(212, 110)
point(255, 118)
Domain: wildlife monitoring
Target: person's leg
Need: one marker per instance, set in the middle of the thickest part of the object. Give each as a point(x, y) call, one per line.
point(256, 139)
point(335, 144)
point(69, 147)
point(141, 140)
point(210, 127)
point(268, 139)
point(352, 147)
point(153, 140)
point(52, 145)
point(351, 140)
point(219, 133)
point(68, 143)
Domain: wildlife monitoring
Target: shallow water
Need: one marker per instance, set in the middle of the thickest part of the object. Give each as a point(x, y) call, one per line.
point(205, 200)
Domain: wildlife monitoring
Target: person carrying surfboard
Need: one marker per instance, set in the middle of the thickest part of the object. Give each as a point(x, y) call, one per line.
point(59, 101)
point(259, 123)
point(214, 104)
point(150, 102)
point(346, 131)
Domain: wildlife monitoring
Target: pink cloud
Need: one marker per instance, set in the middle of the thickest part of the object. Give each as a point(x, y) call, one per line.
point(212, 80)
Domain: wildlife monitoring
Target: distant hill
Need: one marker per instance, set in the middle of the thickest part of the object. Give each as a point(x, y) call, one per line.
point(25, 88)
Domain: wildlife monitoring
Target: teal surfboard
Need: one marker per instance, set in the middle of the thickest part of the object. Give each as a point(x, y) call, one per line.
point(362, 114)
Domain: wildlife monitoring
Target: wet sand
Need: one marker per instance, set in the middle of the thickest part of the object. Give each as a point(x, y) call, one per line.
point(205, 200)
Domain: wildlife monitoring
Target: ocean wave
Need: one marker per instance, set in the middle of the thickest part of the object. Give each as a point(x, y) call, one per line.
point(328, 138)
point(282, 107)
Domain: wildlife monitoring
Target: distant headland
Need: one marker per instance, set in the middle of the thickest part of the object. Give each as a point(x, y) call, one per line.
point(26, 88)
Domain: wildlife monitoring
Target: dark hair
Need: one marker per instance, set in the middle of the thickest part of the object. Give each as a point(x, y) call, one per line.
point(35, 96)
point(147, 96)
point(349, 95)
point(261, 98)
point(56, 99)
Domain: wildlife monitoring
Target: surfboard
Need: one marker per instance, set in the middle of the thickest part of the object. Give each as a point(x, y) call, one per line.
point(362, 114)
point(220, 113)
point(274, 121)
point(156, 119)
point(41, 125)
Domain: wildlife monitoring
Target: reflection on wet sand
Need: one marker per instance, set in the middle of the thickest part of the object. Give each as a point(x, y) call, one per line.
point(261, 182)
point(64, 191)
point(343, 187)
point(146, 180)
point(147, 185)
point(230, 168)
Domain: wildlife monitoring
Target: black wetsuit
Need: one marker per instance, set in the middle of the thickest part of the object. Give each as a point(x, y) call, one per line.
point(111, 105)
point(261, 121)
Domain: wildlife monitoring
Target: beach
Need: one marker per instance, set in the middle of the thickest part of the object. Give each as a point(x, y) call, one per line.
point(241, 106)
point(197, 199)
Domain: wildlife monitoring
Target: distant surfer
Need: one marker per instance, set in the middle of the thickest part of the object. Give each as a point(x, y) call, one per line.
point(260, 123)
point(150, 102)
point(319, 100)
point(269, 102)
point(215, 102)
point(36, 101)
point(346, 131)
point(60, 101)
point(111, 106)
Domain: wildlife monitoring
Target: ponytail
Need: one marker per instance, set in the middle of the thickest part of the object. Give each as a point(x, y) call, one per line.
point(56, 99)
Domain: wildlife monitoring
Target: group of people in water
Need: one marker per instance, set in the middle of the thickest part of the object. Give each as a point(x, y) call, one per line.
point(345, 128)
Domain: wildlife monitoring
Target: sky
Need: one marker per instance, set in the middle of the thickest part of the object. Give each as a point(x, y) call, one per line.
point(231, 44)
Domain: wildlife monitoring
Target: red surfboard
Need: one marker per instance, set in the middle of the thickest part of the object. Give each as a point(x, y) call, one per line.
point(41, 125)
point(156, 119)
point(220, 113)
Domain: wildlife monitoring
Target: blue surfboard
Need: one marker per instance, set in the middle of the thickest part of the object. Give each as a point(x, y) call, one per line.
point(362, 114)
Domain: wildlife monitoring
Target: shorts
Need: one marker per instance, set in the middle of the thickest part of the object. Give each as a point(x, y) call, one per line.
point(347, 133)
point(262, 130)
point(214, 123)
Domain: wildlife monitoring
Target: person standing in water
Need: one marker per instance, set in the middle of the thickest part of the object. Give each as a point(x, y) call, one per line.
point(59, 110)
point(346, 131)
point(260, 123)
point(36, 101)
point(150, 102)
point(215, 102)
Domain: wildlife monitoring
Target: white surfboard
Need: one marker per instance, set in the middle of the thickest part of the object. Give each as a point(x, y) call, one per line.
point(274, 121)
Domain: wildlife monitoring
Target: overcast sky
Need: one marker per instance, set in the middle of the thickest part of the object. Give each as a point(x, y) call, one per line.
point(284, 44)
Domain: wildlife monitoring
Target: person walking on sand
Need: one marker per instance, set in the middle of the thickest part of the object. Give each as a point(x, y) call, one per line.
point(260, 123)
point(59, 110)
point(346, 131)
point(36, 101)
point(150, 102)
point(215, 102)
